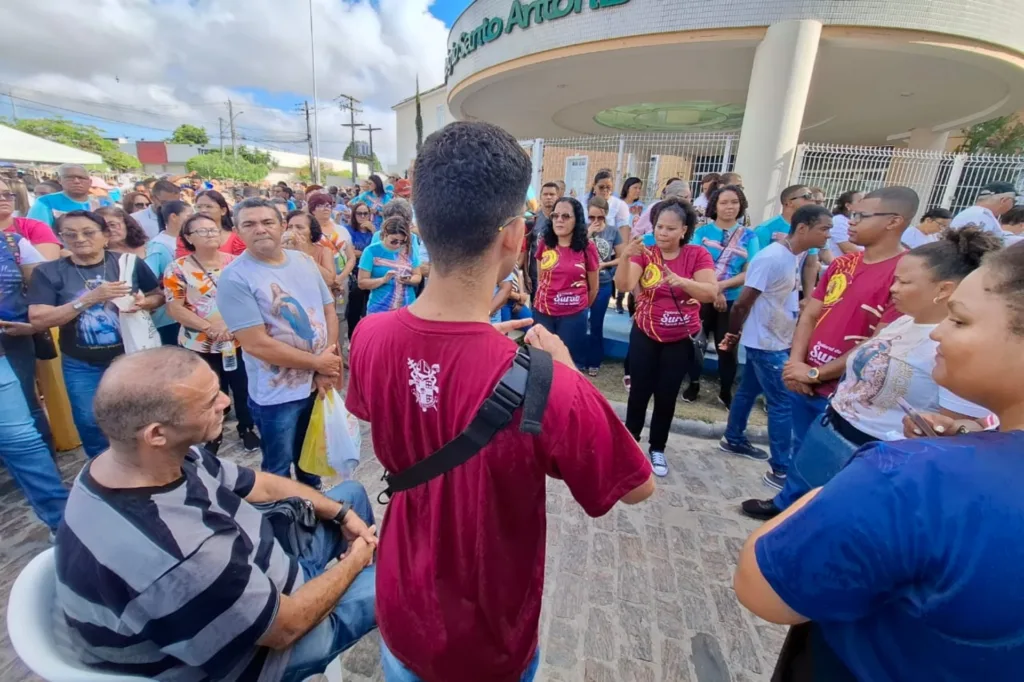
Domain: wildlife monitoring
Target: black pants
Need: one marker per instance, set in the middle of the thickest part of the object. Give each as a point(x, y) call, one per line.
point(656, 369)
point(237, 383)
point(716, 324)
point(356, 308)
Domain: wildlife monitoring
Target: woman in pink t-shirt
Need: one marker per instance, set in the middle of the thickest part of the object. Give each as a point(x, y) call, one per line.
point(669, 282)
point(567, 264)
point(36, 232)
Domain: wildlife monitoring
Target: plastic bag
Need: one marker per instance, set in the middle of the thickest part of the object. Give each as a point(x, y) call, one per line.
point(330, 448)
point(137, 329)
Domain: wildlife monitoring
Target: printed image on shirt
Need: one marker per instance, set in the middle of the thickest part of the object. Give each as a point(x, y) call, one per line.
point(13, 306)
point(423, 380)
point(97, 326)
point(301, 330)
point(871, 368)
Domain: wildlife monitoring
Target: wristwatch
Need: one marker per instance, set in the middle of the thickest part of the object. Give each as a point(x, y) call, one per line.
point(77, 305)
point(812, 374)
point(339, 518)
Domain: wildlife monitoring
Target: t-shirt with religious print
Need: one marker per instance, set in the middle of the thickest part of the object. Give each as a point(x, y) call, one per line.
point(855, 298)
point(288, 301)
point(561, 287)
point(666, 313)
point(94, 335)
point(730, 250)
point(15, 252)
point(195, 286)
point(605, 242)
point(378, 260)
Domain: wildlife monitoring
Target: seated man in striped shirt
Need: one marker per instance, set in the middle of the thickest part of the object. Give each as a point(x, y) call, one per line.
point(166, 571)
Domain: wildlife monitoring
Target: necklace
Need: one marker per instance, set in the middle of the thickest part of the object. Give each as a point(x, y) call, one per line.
point(86, 280)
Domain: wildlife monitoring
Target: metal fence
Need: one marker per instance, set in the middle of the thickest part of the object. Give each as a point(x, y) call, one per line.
point(940, 178)
point(654, 158)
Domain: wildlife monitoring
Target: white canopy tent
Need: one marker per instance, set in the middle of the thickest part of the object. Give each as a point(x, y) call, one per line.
point(19, 147)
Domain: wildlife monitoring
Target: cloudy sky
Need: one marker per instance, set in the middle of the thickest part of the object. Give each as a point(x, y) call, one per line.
point(138, 68)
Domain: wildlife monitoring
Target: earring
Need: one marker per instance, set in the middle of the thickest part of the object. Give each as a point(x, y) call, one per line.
point(936, 300)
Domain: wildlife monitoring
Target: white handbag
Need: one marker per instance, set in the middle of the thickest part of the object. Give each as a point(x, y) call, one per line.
point(137, 329)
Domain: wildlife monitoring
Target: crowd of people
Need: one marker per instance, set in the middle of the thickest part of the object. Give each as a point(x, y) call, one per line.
point(864, 328)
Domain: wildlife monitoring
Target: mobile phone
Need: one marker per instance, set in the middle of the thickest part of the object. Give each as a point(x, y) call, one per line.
point(916, 418)
point(519, 336)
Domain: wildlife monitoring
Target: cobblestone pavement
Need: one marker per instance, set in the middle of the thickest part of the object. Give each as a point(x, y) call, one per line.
point(641, 595)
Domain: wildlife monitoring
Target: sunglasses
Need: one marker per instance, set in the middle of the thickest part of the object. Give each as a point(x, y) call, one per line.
point(562, 216)
point(596, 218)
point(7, 196)
point(141, 204)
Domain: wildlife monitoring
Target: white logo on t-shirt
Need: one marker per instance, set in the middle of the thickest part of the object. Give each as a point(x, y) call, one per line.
point(423, 379)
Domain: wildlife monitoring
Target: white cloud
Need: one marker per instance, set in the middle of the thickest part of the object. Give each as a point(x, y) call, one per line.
point(164, 62)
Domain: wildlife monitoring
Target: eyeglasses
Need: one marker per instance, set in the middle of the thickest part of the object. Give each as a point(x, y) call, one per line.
point(141, 204)
point(807, 196)
point(74, 236)
point(205, 232)
point(562, 216)
point(508, 222)
point(79, 178)
point(857, 216)
point(596, 218)
point(7, 196)
point(399, 241)
point(362, 214)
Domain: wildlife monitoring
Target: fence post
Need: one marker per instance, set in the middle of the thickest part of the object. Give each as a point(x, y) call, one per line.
point(955, 171)
point(618, 162)
point(798, 165)
point(536, 164)
point(726, 155)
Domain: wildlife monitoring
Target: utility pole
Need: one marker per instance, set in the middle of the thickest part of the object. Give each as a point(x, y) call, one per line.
point(349, 102)
point(369, 128)
point(14, 108)
point(220, 125)
point(314, 176)
point(231, 122)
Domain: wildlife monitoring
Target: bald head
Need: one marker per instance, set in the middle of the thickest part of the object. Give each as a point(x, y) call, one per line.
point(897, 199)
point(144, 388)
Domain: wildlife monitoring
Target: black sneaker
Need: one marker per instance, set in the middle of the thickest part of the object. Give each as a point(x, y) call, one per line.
point(774, 479)
point(762, 510)
point(250, 441)
point(725, 399)
point(691, 392)
point(744, 449)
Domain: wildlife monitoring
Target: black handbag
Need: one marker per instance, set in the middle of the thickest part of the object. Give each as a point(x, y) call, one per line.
point(293, 521)
point(46, 349)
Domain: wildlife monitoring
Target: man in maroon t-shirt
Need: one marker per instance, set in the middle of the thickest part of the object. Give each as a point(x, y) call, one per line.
point(847, 307)
point(460, 566)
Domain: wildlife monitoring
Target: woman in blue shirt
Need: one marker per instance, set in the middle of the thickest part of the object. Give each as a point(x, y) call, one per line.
point(906, 565)
point(732, 246)
point(362, 231)
point(390, 268)
point(373, 196)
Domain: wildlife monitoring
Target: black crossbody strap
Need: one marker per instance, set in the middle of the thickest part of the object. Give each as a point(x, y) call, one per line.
point(528, 380)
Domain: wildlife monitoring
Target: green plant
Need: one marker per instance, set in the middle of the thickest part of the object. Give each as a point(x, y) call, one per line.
point(189, 134)
point(86, 137)
point(257, 156)
point(223, 166)
point(1003, 135)
point(304, 175)
point(373, 163)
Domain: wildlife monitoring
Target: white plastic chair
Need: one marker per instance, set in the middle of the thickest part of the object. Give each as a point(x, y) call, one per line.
point(34, 624)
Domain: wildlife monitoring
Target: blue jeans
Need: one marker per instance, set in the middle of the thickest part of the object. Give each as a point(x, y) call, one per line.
point(21, 353)
point(821, 456)
point(571, 329)
point(507, 314)
point(394, 671)
point(763, 374)
point(806, 411)
point(353, 616)
point(282, 430)
point(81, 379)
point(27, 458)
point(595, 341)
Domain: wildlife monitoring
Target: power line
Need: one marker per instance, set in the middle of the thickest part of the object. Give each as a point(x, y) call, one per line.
point(349, 102)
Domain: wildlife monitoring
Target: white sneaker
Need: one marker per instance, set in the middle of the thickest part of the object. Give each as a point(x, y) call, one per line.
point(659, 463)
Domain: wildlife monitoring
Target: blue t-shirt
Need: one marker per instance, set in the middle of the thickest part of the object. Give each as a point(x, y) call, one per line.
point(909, 560)
point(378, 259)
point(775, 230)
point(158, 257)
point(360, 239)
point(49, 207)
point(739, 249)
point(288, 300)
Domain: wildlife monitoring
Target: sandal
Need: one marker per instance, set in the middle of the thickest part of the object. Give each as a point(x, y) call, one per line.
point(592, 372)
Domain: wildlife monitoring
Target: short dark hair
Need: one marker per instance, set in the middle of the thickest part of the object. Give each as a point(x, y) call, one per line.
point(166, 186)
point(681, 208)
point(938, 213)
point(845, 198)
point(319, 199)
point(254, 202)
point(471, 177)
point(378, 185)
point(186, 229)
point(898, 199)
point(551, 184)
point(628, 184)
point(168, 209)
point(598, 202)
point(315, 231)
point(91, 215)
point(808, 215)
point(123, 405)
point(790, 192)
point(1015, 216)
point(957, 253)
point(218, 198)
point(712, 209)
point(714, 180)
point(134, 235)
point(579, 229)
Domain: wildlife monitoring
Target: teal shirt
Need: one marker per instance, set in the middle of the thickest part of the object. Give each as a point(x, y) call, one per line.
point(158, 257)
point(739, 250)
point(775, 230)
point(49, 207)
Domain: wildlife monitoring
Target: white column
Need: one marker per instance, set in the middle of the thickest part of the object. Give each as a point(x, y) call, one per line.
point(919, 172)
point(774, 112)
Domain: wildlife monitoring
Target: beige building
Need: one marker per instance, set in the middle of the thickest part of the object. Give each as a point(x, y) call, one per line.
point(435, 113)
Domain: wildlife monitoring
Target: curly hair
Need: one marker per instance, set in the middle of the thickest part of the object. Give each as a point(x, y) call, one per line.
point(712, 210)
point(134, 235)
point(315, 230)
point(579, 229)
point(957, 253)
point(681, 208)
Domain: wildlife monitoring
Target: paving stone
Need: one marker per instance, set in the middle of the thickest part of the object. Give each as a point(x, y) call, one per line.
point(624, 524)
point(569, 596)
point(683, 541)
point(599, 641)
point(603, 549)
point(597, 672)
point(636, 621)
point(708, 661)
point(719, 525)
point(601, 583)
point(674, 667)
point(718, 564)
point(697, 612)
point(742, 651)
point(670, 617)
point(656, 541)
point(636, 671)
point(574, 549)
point(730, 613)
point(663, 576)
point(563, 640)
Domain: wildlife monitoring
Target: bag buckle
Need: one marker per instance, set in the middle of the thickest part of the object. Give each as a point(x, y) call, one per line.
point(386, 493)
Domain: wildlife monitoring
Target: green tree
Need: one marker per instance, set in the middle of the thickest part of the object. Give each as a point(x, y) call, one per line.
point(326, 169)
point(373, 163)
point(85, 137)
point(257, 157)
point(189, 134)
point(1003, 135)
point(223, 166)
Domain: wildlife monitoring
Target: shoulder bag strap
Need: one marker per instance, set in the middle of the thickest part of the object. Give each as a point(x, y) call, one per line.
point(526, 383)
point(728, 242)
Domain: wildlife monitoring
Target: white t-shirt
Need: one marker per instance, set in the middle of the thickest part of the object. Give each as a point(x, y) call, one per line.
point(913, 237)
point(897, 363)
point(29, 254)
point(618, 213)
point(701, 204)
point(147, 220)
point(840, 233)
point(1009, 238)
point(772, 319)
point(977, 215)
